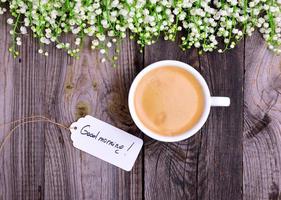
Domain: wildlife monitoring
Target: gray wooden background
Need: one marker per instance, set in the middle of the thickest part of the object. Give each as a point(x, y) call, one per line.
point(236, 155)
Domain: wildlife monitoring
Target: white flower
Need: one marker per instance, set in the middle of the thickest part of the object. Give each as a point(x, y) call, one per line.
point(19, 42)
point(78, 41)
point(197, 44)
point(102, 51)
point(98, 12)
point(104, 23)
point(159, 9)
point(23, 30)
point(109, 44)
point(114, 3)
point(10, 21)
point(45, 40)
point(76, 30)
point(204, 22)
point(54, 14)
point(26, 22)
point(59, 46)
point(101, 37)
point(95, 42)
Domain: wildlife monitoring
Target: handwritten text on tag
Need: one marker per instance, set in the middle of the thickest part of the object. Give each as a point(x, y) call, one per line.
point(106, 142)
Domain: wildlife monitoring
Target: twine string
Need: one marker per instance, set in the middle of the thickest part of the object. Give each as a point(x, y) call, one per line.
point(28, 120)
point(22, 119)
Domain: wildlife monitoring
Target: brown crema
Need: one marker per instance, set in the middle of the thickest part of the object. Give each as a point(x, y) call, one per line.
point(169, 100)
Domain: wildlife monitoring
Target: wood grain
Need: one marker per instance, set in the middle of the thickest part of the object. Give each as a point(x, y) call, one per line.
point(90, 87)
point(6, 109)
point(39, 162)
point(170, 169)
point(208, 165)
point(220, 158)
point(23, 165)
point(262, 130)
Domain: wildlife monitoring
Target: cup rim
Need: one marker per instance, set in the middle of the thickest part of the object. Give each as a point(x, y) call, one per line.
point(186, 134)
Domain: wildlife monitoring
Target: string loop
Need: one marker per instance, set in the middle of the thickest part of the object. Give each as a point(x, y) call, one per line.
point(28, 120)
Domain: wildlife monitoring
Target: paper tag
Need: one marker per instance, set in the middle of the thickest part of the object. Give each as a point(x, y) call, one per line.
point(106, 142)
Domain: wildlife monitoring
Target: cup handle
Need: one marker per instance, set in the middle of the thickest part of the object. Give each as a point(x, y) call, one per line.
point(220, 101)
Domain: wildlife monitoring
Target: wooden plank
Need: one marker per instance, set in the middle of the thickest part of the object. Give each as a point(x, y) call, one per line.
point(170, 169)
point(262, 130)
point(6, 109)
point(39, 162)
point(208, 165)
point(23, 157)
point(86, 86)
point(220, 158)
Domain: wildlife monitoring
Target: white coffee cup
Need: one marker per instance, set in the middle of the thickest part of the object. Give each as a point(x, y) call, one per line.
point(209, 101)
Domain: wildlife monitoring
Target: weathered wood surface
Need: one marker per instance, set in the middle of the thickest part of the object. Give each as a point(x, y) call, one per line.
point(262, 133)
point(39, 162)
point(208, 165)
